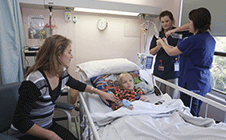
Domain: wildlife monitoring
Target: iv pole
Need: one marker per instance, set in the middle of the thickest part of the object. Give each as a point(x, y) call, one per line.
point(50, 18)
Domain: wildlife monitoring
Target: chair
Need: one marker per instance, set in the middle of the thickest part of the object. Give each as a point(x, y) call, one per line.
point(8, 101)
point(66, 108)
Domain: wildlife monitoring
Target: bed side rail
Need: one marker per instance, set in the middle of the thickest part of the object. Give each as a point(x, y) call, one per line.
point(96, 136)
point(192, 94)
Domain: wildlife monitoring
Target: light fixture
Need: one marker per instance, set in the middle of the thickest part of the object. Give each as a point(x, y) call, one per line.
point(117, 8)
point(107, 7)
point(106, 11)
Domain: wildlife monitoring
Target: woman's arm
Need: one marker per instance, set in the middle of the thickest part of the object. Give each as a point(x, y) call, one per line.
point(170, 50)
point(153, 46)
point(43, 133)
point(155, 50)
point(21, 120)
point(75, 84)
point(184, 27)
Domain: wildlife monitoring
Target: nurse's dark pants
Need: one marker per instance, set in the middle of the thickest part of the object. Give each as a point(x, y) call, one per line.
point(196, 104)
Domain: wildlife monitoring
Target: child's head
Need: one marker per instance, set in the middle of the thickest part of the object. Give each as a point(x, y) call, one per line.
point(126, 81)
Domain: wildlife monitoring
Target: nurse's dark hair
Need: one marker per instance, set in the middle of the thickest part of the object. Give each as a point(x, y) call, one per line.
point(47, 58)
point(166, 13)
point(201, 18)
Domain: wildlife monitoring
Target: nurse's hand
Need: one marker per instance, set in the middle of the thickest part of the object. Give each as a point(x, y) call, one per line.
point(106, 96)
point(162, 41)
point(165, 41)
point(159, 42)
point(170, 32)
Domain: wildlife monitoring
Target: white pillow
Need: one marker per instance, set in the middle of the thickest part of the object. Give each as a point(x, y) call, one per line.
point(90, 69)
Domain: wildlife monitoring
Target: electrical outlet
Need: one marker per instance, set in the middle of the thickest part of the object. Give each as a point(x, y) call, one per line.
point(74, 19)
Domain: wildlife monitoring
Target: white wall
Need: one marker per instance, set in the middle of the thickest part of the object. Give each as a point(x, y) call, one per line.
point(171, 5)
point(91, 44)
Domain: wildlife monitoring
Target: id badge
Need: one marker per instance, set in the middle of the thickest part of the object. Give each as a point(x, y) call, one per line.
point(161, 68)
point(176, 66)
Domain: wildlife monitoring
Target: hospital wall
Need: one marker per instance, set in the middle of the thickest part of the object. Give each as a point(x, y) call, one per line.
point(120, 39)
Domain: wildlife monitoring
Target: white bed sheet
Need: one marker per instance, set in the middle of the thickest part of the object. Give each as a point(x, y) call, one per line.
point(169, 121)
point(96, 105)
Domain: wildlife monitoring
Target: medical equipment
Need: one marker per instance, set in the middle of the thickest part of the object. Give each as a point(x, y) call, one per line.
point(145, 60)
point(36, 25)
point(156, 30)
point(67, 14)
point(148, 28)
point(174, 35)
point(168, 120)
point(177, 35)
point(50, 20)
point(36, 30)
point(50, 27)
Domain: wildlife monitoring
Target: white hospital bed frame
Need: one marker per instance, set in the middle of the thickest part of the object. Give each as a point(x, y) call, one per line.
point(192, 94)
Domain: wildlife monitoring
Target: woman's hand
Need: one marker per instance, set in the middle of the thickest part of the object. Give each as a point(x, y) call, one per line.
point(144, 98)
point(107, 96)
point(159, 42)
point(165, 41)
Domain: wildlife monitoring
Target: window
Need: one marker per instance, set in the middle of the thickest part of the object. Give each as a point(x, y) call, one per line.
point(218, 71)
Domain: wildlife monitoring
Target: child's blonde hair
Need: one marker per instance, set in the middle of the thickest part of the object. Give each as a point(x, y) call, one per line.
point(122, 75)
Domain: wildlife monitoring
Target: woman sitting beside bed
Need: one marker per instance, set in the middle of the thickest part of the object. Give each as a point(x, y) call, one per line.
point(127, 92)
point(33, 118)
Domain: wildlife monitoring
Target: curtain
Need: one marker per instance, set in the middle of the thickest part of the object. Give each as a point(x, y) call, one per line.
point(11, 42)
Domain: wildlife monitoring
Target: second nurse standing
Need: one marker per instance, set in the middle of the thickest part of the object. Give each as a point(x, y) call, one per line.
point(166, 67)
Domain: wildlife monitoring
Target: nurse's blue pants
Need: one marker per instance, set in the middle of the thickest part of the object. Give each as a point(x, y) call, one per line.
point(196, 104)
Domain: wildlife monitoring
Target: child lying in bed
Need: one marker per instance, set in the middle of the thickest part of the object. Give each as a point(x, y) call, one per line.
point(127, 92)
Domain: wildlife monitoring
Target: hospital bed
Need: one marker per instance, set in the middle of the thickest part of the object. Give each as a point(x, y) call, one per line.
point(163, 118)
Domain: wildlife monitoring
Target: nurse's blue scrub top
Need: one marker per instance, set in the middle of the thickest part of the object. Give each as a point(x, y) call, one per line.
point(196, 62)
point(163, 59)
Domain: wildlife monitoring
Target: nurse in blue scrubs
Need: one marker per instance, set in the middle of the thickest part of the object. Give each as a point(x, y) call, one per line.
point(167, 67)
point(196, 55)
